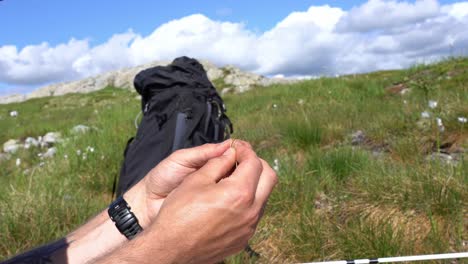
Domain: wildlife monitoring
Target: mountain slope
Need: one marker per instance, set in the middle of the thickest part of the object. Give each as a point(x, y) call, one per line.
point(363, 173)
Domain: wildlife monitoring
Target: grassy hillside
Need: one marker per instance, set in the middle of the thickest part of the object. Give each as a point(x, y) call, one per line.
point(337, 199)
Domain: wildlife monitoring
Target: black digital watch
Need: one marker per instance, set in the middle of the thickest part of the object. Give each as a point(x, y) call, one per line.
point(125, 221)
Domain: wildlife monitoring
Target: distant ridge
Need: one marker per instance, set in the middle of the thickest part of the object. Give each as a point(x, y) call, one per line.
point(234, 80)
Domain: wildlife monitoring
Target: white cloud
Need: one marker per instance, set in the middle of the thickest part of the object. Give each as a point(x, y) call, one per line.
point(200, 37)
point(381, 14)
point(40, 63)
point(321, 40)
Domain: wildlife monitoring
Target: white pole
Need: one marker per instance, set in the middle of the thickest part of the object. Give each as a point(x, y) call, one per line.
point(398, 259)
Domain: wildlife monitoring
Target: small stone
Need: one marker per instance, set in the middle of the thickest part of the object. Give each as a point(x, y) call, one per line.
point(31, 141)
point(50, 153)
point(4, 156)
point(425, 114)
point(441, 157)
point(80, 129)
point(358, 138)
point(11, 146)
point(405, 91)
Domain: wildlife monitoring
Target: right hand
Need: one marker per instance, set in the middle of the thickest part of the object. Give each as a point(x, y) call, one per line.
point(214, 212)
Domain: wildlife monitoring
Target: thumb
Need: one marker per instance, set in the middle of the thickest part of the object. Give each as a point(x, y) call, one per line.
point(217, 168)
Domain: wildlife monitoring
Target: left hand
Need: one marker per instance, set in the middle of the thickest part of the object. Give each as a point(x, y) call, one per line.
point(147, 196)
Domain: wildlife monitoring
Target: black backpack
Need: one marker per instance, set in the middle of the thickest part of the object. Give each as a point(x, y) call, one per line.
point(181, 109)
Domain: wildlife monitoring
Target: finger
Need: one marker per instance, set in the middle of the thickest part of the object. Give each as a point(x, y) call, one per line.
point(266, 184)
point(248, 170)
point(217, 168)
point(198, 156)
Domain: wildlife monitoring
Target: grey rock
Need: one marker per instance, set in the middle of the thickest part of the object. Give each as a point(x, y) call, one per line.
point(358, 138)
point(241, 81)
point(80, 129)
point(4, 156)
point(11, 146)
point(441, 157)
point(52, 138)
point(50, 152)
point(31, 142)
point(12, 98)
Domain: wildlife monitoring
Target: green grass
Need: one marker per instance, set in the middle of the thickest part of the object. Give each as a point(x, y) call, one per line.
point(334, 200)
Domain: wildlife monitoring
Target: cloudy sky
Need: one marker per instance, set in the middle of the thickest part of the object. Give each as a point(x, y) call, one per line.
point(47, 41)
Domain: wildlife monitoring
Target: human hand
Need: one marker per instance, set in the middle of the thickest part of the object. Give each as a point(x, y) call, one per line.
point(147, 196)
point(213, 213)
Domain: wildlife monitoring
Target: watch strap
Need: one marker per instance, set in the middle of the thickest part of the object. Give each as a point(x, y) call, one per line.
point(124, 219)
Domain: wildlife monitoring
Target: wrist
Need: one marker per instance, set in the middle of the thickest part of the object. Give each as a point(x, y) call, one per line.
point(136, 200)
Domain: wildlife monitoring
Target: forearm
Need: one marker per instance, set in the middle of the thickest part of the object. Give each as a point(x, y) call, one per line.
point(92, 240)
point(151, 246)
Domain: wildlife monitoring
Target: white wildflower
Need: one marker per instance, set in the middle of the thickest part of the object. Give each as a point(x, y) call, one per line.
point(78, 152)
point(41, 164)
point(18, 162)
point(14, 113)
point(462, 119)
point(84, 156)
point(425, 114)
point(276, 165)
point(89, 149)
point(65, 156)
point(440, 125)
point(300, 102)
point(405, 102)
point(275, 105)
point(432, 104)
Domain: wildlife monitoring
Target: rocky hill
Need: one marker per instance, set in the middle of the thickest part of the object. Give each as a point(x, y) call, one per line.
point(231, 79)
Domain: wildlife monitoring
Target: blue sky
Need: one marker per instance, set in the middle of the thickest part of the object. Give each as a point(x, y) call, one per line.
point(26, 22)
point(30, 23)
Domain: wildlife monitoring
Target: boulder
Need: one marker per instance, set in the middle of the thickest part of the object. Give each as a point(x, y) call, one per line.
point(11, 146)
point(52, 138)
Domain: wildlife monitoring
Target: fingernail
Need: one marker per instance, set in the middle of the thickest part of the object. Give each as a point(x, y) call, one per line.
point(229, 151)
